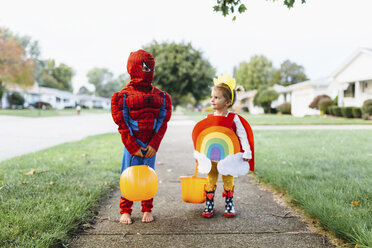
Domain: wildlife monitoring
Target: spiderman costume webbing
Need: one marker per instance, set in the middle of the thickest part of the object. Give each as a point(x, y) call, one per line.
point(141, 111)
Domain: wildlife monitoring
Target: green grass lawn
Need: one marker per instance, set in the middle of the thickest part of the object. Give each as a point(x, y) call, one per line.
point(40, 210)
point(48, 112)
point(275, 119)
point(324, 172)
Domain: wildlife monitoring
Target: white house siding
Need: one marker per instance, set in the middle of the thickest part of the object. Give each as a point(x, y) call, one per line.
point(301, 100)
point(358, 69)
point(355, 75)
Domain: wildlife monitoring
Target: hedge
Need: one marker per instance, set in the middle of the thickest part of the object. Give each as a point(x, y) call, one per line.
point(347, 112)
point(357, 112)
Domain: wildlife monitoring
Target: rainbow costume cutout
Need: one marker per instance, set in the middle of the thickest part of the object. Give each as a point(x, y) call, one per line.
point(215, 140)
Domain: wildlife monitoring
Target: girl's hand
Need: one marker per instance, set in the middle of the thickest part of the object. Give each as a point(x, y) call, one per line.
point(150, 152)
point(139, 153)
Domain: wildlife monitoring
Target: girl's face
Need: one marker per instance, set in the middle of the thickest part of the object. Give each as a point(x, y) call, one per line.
point(218, 102)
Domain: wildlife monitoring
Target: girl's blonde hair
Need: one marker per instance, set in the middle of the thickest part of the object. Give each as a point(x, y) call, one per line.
point(226, 92)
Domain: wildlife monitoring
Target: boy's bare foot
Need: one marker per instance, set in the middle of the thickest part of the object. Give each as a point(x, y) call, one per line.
point(125, 219)
point(147, 217)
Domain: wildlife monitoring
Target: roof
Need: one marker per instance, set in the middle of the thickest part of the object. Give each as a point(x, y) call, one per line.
point(353, 56)
point(325, 81)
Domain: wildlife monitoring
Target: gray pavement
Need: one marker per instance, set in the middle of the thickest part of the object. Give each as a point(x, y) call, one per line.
point(261, 220)
point(21, 135)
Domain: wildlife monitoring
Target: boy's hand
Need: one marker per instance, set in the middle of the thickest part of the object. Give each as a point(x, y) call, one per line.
point(139, 153)
point(150, 152)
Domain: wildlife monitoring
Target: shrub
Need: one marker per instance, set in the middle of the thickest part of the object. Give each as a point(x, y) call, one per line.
point(357, 112)
point(347, 112)
point(365, 117)
point(367, 107)
point(335, 101)
point(245, 109)
point(42, 105)
point(284, 108)
point(331, 109)
point(324, 104)
point(15, 99)
point(314, 104)
point(337, 111)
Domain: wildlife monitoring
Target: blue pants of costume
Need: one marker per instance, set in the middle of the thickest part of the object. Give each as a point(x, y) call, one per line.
point(132, 160)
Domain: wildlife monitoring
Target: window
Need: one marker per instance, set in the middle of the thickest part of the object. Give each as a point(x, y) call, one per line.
point(350, 91)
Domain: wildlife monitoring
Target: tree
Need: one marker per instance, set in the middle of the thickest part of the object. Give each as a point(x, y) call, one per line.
point(227, 7)
point(32, 50)
point(291, 73)
point(84, 91)
point(14, 66)
point(104, 82)
point(264, 97)
point(257, 72)
point(16, 99)
point(180, 70)
point(58, 77)
point(63, 74)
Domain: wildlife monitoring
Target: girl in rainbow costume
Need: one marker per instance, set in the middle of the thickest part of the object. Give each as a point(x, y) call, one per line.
point(214, 159)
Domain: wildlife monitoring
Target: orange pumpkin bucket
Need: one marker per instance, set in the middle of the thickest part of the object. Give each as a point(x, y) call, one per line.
point(139, 183)
point(193, 188)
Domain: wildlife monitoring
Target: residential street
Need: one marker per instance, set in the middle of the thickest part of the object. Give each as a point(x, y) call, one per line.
point(21, 135)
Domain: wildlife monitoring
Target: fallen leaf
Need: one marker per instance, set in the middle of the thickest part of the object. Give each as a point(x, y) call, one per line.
point(84, 154)
point(355, 203)
point(87, 225)
point(1, 179)
point(106, 183)
point(23, 182)
point(51, 183)
point(31, 172)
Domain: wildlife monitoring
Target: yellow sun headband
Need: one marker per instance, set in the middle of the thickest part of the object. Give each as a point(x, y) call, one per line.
point(226, 79)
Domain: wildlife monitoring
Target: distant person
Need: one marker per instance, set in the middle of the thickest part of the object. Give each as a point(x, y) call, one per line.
point(141, 111)
point(228, 165)
point(78, 109)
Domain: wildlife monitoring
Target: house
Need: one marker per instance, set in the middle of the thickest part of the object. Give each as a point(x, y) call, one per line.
point(352, 81)
point(300, 95)
point(92, 101)
point(56, 99)
point(245, 99)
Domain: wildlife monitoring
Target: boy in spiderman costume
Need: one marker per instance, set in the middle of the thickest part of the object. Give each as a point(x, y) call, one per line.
point(141, 111)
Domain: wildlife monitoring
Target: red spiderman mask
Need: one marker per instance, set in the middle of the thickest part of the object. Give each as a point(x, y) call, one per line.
point(141, 66)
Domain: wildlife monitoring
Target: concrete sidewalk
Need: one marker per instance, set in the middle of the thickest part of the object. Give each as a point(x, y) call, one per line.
point(260, 222)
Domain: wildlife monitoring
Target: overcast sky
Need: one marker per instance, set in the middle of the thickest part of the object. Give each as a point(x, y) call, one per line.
point(320, 35)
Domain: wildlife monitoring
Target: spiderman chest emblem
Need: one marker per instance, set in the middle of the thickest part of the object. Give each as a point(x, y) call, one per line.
point(144, 101)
